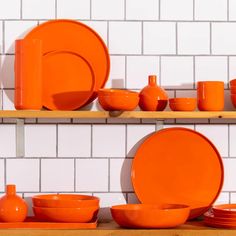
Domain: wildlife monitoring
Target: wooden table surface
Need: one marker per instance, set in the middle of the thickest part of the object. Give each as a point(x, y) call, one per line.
point(194, 228)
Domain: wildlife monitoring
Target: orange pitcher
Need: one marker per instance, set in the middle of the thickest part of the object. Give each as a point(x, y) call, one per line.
point(28, 74)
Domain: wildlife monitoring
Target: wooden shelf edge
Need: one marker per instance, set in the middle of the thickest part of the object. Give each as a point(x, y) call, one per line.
point(192, 228)
point(122, 115)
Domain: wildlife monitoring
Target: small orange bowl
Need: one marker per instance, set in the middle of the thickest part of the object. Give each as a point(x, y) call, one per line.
point(111, 91)
point(232, 82)
point(183, 104)
point(118, 100)
point(65, 201)
point(233, 99)
point(79, 215)
point(233, 89)
point(150, 216)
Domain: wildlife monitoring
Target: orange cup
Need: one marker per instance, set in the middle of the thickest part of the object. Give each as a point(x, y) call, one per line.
point(28, 74)
point(210, 95)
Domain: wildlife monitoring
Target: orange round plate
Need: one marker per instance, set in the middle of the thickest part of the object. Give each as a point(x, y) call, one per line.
point(178, 166)
point(68, 80)
point(76, 37)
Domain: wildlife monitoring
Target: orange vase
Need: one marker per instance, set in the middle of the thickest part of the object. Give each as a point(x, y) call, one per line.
point(12, 207)
point(153, 97)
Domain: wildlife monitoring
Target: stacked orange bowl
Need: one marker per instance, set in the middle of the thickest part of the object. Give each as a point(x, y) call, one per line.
point(72, 208)
point(221, 216)
point(233, 91)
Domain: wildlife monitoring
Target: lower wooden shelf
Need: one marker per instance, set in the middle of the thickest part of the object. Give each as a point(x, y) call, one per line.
point(192, 228)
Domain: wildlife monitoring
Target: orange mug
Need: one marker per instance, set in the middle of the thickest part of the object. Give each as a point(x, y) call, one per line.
point(210, 95)
point(28, 74)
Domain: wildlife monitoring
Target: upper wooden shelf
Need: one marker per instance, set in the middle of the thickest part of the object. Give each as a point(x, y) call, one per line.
point(124, 115)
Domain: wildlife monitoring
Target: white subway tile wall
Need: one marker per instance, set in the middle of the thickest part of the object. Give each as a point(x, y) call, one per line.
point(181, 42)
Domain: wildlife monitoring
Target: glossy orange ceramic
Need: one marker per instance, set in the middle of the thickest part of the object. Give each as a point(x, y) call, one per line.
point(12, 207)
point(180, 166)
point(153, 97)
point(233, 89)
point(210, 95)
point(150, 216)
point(183, 104)
point(33, 223)
point(65, 201)
point(79, 215)
point(233, 99)
point(68, 80)
point(118, 100)
point(225, 210)
point(215, 221)
point(73, 36)
point(232, 82)
point(28, 74)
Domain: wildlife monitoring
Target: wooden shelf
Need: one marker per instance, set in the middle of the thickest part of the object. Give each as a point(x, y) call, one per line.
point(116, 114)
point(107, 229)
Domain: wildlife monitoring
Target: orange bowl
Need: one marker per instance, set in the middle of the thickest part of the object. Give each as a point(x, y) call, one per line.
point(233, 99)
point(79, 215)
point(118, 100)
point(65, 201)
point(183, 104)
point(150, 216)
point(109, 91)
point(232, 82)
point(233, 89)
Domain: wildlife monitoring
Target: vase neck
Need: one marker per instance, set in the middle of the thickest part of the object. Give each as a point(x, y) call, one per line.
point(152, 80)
point(11, 189)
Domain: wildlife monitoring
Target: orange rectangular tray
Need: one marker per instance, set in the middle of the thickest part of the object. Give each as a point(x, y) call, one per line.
point(32, 223)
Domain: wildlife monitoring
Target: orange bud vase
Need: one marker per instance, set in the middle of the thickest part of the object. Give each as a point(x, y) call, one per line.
point(12, 207)
point(153, 97)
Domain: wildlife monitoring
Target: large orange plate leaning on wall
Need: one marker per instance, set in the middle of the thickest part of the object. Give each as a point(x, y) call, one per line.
point(73, 36)
point(178, 166)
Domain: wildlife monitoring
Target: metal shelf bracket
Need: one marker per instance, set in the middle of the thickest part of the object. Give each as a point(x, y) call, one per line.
point(20, 137)
point(159, 124)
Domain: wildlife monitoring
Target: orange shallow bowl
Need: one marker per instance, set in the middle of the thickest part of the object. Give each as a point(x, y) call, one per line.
point(183, 104)
point(225, 210)
point(109, 91)
point(79, 215)
point(150, 216)
point(118, 101)
point(65, 200)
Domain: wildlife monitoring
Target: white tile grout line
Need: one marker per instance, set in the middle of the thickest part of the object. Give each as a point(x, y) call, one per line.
point(210, 41)
point(159, 10)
